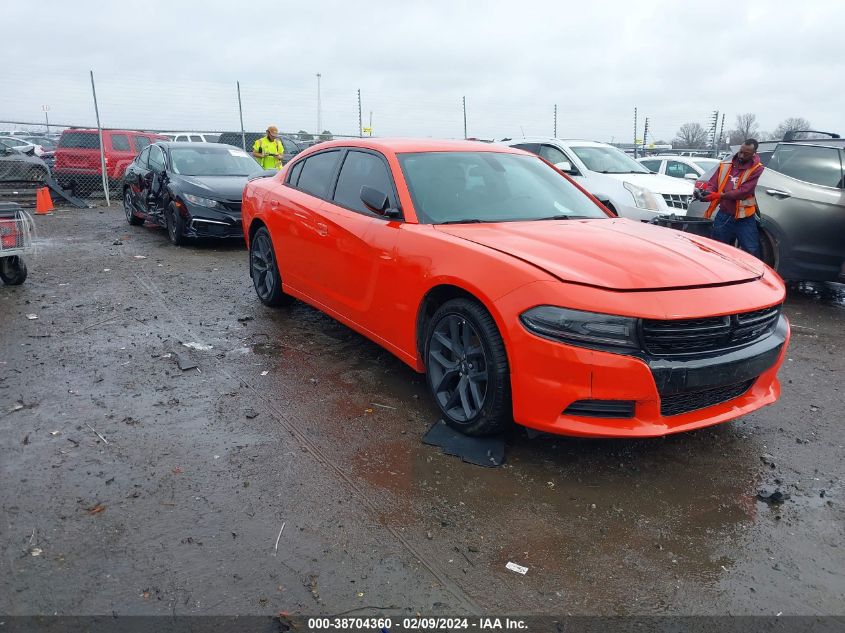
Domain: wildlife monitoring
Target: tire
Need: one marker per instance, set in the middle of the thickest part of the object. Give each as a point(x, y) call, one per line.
point(133, 219)
point(264, 270)
point(768, 249)
point(175, 225)
point(12, 271)
point(36, 174)
point(467, 369)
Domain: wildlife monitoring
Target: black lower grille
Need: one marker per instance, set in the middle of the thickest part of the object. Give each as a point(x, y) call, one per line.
point(693, 400)
point(676, 201)
point(709, 334)
point(601, 408)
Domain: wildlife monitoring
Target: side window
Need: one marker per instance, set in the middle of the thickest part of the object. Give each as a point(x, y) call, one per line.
point(810, 163)
point(143, 158)
point(141, 142)
point(652, 165)
point(156, 160)
point(361, 169)
point(677, 169)
point(293, 174)
point(196, 139)
point(553, 154)
point(120, 143)
point(317, 173)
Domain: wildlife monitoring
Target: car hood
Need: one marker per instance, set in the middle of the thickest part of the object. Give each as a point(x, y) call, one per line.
point(216, 187)
point(616, 254)
point(658, 183)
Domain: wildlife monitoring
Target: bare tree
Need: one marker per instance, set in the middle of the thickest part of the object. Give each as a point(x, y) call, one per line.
point(690, 135)
point(791, 124)
point(746, 127)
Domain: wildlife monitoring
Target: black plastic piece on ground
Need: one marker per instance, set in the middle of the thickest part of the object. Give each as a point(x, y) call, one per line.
point(481, 451)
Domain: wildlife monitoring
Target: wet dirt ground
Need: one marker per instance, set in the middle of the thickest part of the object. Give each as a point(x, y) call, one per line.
point(285, 471)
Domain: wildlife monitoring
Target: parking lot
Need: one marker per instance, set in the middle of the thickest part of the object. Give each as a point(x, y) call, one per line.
point(276, 464)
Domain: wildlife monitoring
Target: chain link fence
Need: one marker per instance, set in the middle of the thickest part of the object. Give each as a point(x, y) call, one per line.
point(93, 127)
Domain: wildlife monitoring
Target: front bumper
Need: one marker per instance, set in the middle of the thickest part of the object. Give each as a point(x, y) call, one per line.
point(548, 377)
point(224, 228)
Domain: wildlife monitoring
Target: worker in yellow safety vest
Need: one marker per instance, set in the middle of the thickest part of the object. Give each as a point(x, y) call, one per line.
point(268, 149)
point(731, 191)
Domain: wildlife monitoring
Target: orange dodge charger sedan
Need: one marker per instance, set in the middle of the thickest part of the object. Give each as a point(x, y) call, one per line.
point(517, 293)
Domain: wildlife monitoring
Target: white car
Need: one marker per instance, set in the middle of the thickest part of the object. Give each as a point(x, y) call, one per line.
point(688, 167)
point(22, 145)
point(623, 184)
point(192, 137)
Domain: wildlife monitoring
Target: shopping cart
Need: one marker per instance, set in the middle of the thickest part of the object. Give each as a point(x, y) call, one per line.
point(16, 233)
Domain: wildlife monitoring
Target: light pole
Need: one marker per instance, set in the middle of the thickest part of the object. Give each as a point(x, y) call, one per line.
point(319, 113)
point(46, 109)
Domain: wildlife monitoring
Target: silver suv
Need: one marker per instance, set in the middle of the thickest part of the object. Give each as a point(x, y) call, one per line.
point(801, 198)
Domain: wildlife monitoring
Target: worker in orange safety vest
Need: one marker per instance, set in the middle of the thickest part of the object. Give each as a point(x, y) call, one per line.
point(731, 190)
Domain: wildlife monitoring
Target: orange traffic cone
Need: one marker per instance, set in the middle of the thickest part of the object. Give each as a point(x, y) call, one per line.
point(43, 201)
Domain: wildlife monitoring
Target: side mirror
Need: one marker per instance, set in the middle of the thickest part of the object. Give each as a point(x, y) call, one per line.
point(30, 150)
point(378, 202)
point(691, 176)
point(565, 166)
point(606, 203)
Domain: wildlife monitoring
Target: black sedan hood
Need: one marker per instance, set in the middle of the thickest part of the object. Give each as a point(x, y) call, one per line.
point(227, 188)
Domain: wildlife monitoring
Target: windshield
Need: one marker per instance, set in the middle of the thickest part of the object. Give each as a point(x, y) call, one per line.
point(490, 187)
point(608, 160)
point(212, 161)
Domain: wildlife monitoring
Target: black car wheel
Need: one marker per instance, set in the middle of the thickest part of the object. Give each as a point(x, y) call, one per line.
point(467, 368)
point(12, 271)
point(175, 225)
point(264, 270)
point(133, 219)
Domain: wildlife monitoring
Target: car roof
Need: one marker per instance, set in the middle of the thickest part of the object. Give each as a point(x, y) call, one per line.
point(575, 142)
point(409, 145)
point(94, 130)
point(188, 144)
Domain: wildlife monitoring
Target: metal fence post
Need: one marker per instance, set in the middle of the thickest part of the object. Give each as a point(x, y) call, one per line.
point(102, 148)
point(465, 116)
point(241, 111)
point(360, 118)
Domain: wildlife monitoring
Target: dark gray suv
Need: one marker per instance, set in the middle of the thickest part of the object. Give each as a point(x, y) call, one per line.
point(801, 198)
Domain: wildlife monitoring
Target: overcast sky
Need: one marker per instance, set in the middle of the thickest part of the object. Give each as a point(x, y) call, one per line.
point(173, 65)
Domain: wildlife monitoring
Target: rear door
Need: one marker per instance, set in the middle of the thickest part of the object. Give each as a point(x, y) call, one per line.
point(357, 250)
point(802, 202)
point(136, 176)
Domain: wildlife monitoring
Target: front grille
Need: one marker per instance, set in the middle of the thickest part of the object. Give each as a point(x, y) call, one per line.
point(702, 336)
point(233, 206)
point(676, 201)
point(693, 400)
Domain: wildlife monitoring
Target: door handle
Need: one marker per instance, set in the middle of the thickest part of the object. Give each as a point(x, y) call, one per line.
point(778, 192)
point(322, 229)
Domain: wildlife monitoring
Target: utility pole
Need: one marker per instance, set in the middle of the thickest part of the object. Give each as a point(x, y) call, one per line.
point(721, 131)
point(360, 119)
point(555, 127)
point(714, 123)
point(371, 122)
point(102, 148)
point(46, 109)
point(635, 133)
point(645, 135)
point(241, 112)
point(319, 107)
point(465, 117)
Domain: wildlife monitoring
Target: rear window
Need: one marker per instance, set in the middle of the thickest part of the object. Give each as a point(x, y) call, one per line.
point(80, 140)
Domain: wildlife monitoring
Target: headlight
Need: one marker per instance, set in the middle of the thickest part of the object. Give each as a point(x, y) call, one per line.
point(585, 329)
point(643, 198)
point(203, 202)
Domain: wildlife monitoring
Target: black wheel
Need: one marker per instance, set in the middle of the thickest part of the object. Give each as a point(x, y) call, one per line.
point(768, 249)
point(264, 270)
point(12, 270)
point(467, 368)
point(36, 174)
point(133, 219)
point(175, 225)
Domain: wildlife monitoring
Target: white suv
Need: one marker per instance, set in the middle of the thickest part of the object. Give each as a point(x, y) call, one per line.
point(619, 181)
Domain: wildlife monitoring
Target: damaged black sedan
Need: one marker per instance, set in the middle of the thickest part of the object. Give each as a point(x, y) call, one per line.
point(194, 190)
